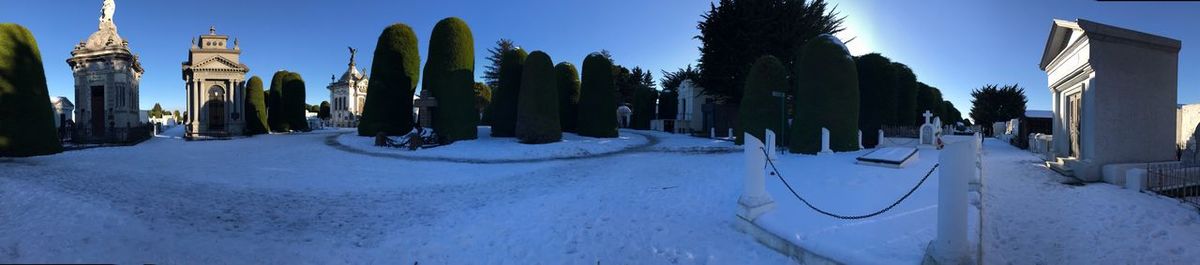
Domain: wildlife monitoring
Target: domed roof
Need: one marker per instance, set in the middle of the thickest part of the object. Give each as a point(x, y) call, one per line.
point(352, 74)
point(103, 38)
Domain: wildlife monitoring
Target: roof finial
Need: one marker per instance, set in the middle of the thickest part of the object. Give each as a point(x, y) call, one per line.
point(212, 30)
point(353, 52)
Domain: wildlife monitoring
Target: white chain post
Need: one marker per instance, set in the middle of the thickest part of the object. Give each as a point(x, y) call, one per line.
point(956, 166)
point(881, 138)
point(860, 146)
point(825, 141)
point(755, 200)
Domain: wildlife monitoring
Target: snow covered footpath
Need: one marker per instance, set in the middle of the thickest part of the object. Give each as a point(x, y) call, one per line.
point(1032, 219)
point(487, 147)
point(291, 199)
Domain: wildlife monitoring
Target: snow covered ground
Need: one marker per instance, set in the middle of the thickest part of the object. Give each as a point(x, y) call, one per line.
point(487, 148)
point(293, 198)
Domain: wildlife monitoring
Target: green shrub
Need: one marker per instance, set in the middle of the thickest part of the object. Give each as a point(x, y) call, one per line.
point(276, 114)
point(483, 97)
point(568, 95)
point(826, 97)
point(323, 111)
point(504, 102)
point(760, 109)
point(256, 109)
point(537, 109)
point(907, 113)
point(644, 105)
point(26, 119)
point(389, 104)
point(878, 96)
point(293, 102)
point(450, 77)
point(597, 98)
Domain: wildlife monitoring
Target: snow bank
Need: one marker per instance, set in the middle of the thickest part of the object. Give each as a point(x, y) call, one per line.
point(487, 147)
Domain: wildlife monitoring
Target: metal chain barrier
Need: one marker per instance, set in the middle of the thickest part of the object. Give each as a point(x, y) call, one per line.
point(838, 216)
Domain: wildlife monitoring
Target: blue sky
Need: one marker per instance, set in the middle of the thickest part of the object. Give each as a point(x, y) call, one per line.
point(953, 45)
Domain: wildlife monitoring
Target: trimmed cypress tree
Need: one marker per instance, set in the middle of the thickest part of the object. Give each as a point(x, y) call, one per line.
point(276, 114)
point(324, 111)
point(256, 109)
point(293, 102)
point(397, 64)
point(907, 113)
point(644, 105)
point(597, 98)
point(537, 108)
point(826, 97)
point(504, 100)
point(26, 120)
point(567, 79)
point(450, 77)
point(878, 97)
point(760, 109)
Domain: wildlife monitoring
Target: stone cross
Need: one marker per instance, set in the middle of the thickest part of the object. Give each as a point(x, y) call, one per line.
point(927, 115)
point(425, 105)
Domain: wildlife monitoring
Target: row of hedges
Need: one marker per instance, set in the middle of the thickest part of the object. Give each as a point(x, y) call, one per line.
point(828, 97)
point(256, 107)
point(285, 103)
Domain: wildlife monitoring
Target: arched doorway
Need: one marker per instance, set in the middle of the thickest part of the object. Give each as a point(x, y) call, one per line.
point(215, 106)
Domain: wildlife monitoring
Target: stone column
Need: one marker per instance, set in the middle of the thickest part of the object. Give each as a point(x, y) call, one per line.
point(755, 200)
point(825, 141)
point(950, 245)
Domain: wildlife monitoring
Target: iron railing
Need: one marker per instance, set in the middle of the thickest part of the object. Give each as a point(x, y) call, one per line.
point(1181, 181)
point(131, 135)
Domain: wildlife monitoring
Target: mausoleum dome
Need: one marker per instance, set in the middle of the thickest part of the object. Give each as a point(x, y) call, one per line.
point(103, 38)
point(352, 74)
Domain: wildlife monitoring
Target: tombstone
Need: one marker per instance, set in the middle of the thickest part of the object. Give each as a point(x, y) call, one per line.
point(730, 133)
point(712, 133)
point(755, 201)
point(772, 154)
point(825, 141)
point(427, 104)
point(927, 131)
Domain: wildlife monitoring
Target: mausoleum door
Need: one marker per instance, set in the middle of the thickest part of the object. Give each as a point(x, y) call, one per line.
point(1074, 105)
point(97, 111)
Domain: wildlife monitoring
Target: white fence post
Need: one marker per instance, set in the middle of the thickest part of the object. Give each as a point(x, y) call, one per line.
point(754, 200)
point(712, 133)
point(956, 166)
point(730, 133)
point(825, 141)
point(772, 154)
point(860, 146)
point(881, 138)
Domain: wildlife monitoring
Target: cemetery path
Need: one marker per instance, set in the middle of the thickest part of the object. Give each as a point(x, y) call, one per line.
point(291, 199)
point(1031, 218)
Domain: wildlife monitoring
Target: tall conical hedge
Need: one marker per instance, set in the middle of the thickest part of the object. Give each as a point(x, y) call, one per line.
point(537, 106)
point(450, 77)
point(293, 102)
point(504, 99)
point(256, 107)
point(568, 95)
point(597, 97)
point(26, 120)
point(878, 98)
point(907, 112)
point(759, 109)
point(276, 114)
point(644, 105)
point(826, 97)
point(397, 64)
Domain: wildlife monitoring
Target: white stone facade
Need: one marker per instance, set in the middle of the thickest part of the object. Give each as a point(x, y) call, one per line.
point(690, 115)
point(347, 95)
point(216, 89)
point(107, 75)
point(1113, 93)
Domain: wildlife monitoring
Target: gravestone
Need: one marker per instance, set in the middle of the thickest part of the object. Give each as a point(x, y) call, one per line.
point(825, 141)
point(426, 105)
point(927, 130)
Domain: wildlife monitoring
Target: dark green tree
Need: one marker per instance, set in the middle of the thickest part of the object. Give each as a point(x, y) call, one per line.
point(491, 73)
point(537, 112)
point(450, 77)
point(177, 115)
point(760, 110)
point(828, 97)
point(953, 115)
point(907, 113)
point(293, 102)
point(877, 94)
point(734, 33)
point(276, 114)
point(504, 102)
point(644, 105)
point(256, 109)
point(483, 96)
point(929, 99)
point(397, 64)
point(568, 95)
point(597, 94)
point(26, 120)
point(992, 103)
point(156, 111)
point(324, 112)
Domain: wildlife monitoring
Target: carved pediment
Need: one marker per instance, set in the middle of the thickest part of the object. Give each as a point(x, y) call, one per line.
point(217, 62)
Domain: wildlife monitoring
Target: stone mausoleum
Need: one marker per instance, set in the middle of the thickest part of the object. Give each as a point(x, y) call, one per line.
point(348, 94)
point(1114, 96)
point(216, 89)
point(107, 75)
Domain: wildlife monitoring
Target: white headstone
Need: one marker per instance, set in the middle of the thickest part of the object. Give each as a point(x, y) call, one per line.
point(825, 141)
point(755, 200)
point(881, 138)
point(860, 146)
point(927, 115)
